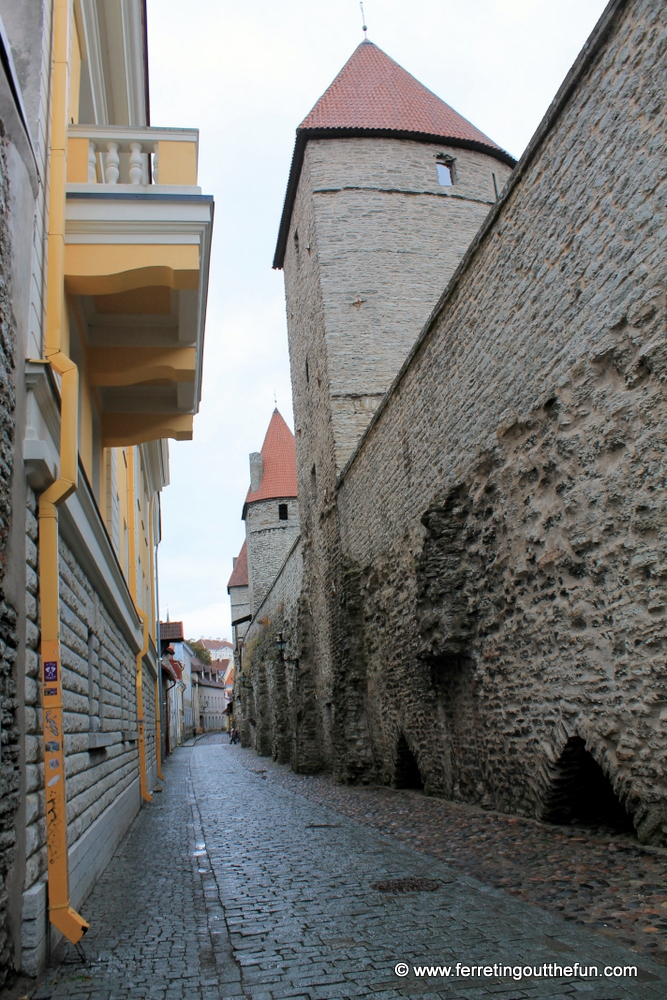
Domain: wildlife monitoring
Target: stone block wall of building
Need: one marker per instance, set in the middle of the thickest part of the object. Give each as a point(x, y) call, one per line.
point(9, 640)
point(100, 718)
point(29, 28)
point(502, 531)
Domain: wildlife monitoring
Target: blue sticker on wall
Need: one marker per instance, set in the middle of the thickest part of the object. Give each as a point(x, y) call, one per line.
point(50, 671)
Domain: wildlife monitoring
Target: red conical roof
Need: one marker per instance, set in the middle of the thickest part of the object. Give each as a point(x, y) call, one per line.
point(374, 92)
point(374, 96)
point(278, 463)
point(239, 577)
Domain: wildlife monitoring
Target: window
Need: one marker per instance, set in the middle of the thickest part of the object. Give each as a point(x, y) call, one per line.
point(445, 172)
point(282, 511)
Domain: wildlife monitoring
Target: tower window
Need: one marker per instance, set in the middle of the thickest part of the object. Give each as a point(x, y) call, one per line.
point(445, 173)
point(282, 512)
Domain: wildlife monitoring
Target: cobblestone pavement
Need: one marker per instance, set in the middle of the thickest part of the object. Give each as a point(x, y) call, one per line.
point(594, 877)
point(231, 885)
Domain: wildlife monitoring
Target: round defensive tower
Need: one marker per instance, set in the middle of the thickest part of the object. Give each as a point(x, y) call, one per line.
point(270, 511)
point(388, 187)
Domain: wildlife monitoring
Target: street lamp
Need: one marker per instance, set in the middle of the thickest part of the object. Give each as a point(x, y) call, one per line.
point(280, 644)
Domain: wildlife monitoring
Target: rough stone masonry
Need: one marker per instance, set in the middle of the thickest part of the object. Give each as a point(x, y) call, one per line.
point(483, 602)
point(9, 732)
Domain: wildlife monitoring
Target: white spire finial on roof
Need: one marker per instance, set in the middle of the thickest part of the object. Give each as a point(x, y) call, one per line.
point(363, 20)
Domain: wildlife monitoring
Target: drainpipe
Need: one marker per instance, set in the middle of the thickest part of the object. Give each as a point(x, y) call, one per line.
point(61, 914)
point(158, 733)
point(139, 666)
point(141, 726)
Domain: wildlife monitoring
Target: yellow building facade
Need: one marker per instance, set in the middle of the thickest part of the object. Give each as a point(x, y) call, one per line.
point(112, 353)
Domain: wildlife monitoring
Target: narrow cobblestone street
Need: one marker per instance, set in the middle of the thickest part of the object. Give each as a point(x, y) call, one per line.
point(265, 894)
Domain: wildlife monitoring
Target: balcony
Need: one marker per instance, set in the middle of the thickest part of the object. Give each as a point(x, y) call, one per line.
point(137, 249)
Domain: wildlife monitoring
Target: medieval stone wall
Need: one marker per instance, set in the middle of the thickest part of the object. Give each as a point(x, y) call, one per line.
point(239, 600)
point(274, 703)
point(315, 449)
point(373, 240)
point(502, 528)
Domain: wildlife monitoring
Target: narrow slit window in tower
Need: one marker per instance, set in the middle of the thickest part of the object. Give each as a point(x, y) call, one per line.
point(445, 170)
point(282, 512)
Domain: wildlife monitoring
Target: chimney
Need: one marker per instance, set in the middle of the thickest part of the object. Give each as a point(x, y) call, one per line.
point(256, 470)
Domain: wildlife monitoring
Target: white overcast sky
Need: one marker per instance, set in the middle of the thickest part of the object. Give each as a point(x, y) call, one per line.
point(245, 73)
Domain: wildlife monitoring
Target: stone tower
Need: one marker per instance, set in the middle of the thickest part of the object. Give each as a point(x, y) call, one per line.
point(270, 510)
point(239, 596)
point(388, 186)
point(387, 189)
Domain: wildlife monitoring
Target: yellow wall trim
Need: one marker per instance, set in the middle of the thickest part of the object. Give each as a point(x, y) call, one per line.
point(131, 365)
point(177, 162)
point(107, 268)
point(124, 429)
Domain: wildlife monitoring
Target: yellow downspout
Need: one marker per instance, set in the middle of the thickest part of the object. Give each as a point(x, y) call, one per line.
point(61, 914)
point(158, 732)
point(132, 575)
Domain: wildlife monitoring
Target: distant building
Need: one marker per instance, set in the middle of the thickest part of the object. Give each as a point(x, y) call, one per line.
point(211, 696)
point(177, 658)
point(220, 649)
point(271, 515)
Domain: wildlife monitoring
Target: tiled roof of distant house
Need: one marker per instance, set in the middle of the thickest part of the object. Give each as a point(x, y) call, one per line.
point(214, 645)
point(239, 577)
point(171, 630)
point(205, 682)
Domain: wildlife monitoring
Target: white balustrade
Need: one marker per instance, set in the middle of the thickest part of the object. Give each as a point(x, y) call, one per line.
point(112, 164)
point(119, 155)
point(136, 163)
point(92, 163)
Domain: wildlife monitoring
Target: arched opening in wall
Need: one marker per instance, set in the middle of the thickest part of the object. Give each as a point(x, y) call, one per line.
point(581, 793)
point(406, 769)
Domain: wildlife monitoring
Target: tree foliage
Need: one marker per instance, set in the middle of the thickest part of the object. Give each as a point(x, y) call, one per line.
point(200, 650)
